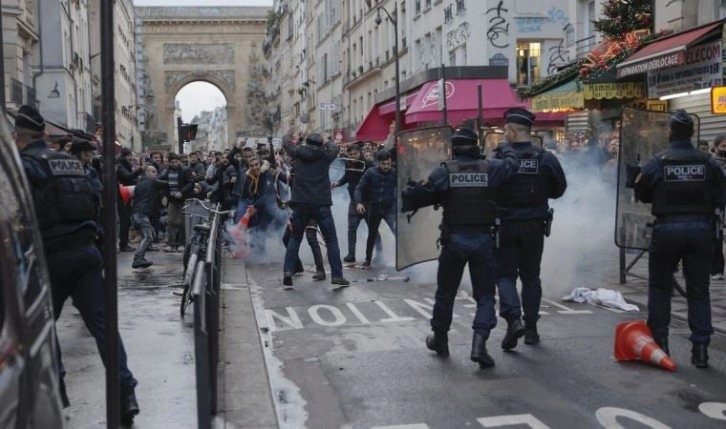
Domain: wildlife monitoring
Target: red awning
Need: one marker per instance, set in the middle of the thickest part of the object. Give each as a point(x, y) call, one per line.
point(666, 52)
point(390, 106)
point(375, 126)
point(462, 100)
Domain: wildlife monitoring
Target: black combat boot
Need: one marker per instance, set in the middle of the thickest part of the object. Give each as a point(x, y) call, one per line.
point(699, 355)
point(439, 343)
point(515, 330)
point(531, 337)
point(129, 406)
point(479, 351)
point(663, 344)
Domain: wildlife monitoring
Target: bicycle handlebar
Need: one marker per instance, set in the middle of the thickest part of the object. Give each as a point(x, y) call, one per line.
point(209, 209)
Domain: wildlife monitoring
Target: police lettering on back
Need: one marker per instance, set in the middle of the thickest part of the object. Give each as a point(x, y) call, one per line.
point(685, 173)
point(467, 180)
point(66, 167)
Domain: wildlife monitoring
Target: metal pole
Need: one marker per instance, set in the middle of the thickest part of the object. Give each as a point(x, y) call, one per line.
point(443, 78)
point(480, 114)
point(2, 65)
point(110, 197)
point(398, 74)
point(180, 134)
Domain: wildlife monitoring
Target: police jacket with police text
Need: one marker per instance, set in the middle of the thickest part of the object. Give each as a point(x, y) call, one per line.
point(312, 172)
point(681, 181)
point(465, 188)
point(540, 177)
point(65, 206)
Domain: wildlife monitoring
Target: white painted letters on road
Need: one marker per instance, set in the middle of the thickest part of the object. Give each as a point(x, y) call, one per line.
point(292, 320)
point(511, 420)
point(314, 312)
point(607, 416)
point(714, 410)
point(392, 317)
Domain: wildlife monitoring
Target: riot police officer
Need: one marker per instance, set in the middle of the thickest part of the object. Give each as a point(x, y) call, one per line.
point(526, 217)
point(66, 214)
point(465, 187)
point(685, 186)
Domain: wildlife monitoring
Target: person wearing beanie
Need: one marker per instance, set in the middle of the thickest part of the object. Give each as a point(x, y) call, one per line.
point(311, 200)
point(67, 223)
point(685, 187)
point(466, 188)
point(525, 216)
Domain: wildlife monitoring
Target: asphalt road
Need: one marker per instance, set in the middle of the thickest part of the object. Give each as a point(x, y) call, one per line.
point(355, 358)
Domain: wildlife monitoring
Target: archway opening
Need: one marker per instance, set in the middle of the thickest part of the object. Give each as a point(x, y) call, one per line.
point(205, 105)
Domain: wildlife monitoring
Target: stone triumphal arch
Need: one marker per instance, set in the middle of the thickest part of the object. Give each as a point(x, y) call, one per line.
point(180, 45)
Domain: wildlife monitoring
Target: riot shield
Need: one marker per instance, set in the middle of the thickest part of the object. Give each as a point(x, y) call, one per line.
point(642, 135)
point(493, 138)
point(419, 153)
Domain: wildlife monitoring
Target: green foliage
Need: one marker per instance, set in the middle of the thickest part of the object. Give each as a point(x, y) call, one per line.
point(624, 16)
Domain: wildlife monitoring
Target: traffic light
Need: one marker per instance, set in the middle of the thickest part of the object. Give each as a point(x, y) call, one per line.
point(188, 132)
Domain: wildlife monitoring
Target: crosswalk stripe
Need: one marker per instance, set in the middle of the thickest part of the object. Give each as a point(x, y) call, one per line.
point(414, 426)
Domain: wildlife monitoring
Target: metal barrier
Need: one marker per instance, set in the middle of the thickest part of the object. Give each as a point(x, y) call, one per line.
point(194, 213)
point(205, 290)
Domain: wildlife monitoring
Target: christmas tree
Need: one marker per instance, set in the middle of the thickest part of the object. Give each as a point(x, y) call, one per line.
point(623, 16)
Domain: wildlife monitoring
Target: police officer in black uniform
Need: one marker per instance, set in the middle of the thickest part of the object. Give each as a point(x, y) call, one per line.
point(66, 214)
point(685, 186)
point(525, 217)
point(465, 187)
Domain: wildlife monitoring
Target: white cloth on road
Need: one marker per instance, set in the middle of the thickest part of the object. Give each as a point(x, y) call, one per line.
point(604, 297)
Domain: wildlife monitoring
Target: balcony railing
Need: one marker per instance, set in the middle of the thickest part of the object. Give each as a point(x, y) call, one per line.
point(584, 46)
point(16, 91)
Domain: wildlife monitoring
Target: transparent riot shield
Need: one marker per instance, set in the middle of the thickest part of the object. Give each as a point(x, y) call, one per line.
point(493, 138)
point(642, 135)
point(419, 153)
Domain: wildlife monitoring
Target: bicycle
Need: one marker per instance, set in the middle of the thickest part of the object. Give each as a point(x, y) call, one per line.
point(195, 251)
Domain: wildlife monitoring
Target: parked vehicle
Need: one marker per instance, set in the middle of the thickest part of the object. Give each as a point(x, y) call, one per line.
point(29, 395)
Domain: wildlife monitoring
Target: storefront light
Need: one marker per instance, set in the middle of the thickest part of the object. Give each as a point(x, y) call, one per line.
point(685, 94)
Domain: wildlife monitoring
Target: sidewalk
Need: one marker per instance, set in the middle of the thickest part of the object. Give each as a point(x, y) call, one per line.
point(159, 345)
point(635, 290)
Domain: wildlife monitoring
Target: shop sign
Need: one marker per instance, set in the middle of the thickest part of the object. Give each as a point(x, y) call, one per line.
point(718, 100)
point(558, 101)
point(600, 91)
point(658, 63)
point(703, 68)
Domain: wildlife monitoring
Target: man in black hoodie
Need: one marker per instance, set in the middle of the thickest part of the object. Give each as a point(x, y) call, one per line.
point(127, 176)
point(146, 200)
point(311, 199)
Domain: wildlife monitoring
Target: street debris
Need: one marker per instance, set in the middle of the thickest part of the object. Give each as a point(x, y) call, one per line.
point(604, 297)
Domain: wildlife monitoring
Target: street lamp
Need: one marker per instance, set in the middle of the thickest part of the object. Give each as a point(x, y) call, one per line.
point(393, 19)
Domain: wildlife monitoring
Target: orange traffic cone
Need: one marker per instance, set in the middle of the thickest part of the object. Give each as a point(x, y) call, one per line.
point(634, 341)
point(241, 248)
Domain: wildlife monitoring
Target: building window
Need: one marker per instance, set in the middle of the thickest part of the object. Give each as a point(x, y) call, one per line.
point(529, 59)
point(417, 7)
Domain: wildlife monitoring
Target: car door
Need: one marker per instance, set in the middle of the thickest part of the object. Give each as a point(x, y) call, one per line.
point(38, 402)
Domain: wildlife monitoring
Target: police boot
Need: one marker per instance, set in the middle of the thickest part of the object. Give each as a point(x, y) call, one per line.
point(663, 344)
point(479, 351)
point(699, 355)
point(129, 406)
point(439, 343)
point(531, 337)
point(515, 330)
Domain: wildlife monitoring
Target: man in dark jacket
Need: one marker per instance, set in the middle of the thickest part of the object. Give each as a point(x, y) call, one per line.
point(355, 166)
point(127, 176)
point(378, 186)
point(146, 200)
point(181, 187)
point(311, 199)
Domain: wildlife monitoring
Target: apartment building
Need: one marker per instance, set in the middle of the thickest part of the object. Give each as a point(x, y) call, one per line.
point(21, 40)
point(62, 75)
point(125, 87)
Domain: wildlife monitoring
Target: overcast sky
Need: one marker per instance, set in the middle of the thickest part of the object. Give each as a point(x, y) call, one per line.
point(203, 2)
point(199, 96)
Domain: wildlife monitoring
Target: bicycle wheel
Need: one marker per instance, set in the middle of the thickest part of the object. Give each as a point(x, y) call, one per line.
point(188, 278)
